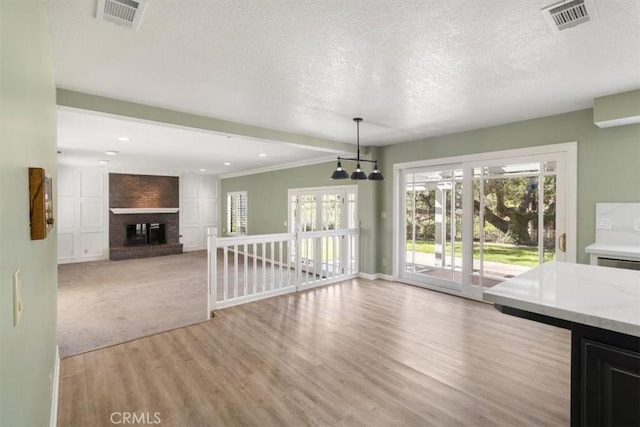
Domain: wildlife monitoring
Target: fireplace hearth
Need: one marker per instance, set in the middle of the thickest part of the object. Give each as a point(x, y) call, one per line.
point(141, 235)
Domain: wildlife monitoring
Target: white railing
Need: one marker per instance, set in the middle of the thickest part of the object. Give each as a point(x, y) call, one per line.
point(248, 268)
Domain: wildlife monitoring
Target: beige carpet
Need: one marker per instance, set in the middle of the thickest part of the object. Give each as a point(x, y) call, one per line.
point(103, 303)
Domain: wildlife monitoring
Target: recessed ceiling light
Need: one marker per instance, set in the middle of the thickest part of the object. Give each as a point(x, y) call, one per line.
point(262, 155)
point(227, 163)
point(103, 162)
point(111, 153)
point(203, 170)
point(124, 138)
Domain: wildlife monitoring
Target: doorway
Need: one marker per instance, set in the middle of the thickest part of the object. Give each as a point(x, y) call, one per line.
point(322, 209)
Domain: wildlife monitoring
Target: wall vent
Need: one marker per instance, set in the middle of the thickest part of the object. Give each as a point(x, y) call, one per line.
point(127, 13)
point(569, 13)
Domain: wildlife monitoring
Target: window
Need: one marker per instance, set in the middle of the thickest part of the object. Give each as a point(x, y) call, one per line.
point(237, 212)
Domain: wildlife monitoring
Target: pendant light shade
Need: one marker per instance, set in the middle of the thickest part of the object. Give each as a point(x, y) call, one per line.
point(340, 173)
point(358, 174)
point(375, 174)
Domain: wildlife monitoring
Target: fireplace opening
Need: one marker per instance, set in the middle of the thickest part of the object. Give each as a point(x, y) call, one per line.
point(145, 234)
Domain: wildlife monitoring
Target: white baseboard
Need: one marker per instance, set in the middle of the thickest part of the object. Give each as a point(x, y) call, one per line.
point(74, 260)
point(54, 392)
point(376, 276)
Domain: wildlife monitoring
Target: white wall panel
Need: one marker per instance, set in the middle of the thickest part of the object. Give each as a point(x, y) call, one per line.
point(82, 200)
point(209, 187)
point(65, 183)
point(66, 213)
point(91, 244)
point(190, 186)
point(191, 237)
point(92, 183)
point(91, 213)
point(198, 209)
point(189, 213)
point(66, 246)
point(208, 211)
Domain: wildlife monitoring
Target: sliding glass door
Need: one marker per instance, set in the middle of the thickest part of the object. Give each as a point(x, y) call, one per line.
point(433, 222)
point(470, 225)
point(514, 218)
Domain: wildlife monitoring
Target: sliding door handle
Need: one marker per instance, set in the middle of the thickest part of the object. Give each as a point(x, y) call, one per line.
point(562, 242)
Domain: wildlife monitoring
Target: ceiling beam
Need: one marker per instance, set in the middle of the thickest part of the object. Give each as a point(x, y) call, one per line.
point(617, 110)
point(99, 104)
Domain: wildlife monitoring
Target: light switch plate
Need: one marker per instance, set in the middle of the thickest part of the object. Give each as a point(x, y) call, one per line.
point(17, 297)
point(604, 224)
point(636, 224)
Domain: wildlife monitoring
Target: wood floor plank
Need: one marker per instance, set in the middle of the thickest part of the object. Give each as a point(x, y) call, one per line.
point(355, 353)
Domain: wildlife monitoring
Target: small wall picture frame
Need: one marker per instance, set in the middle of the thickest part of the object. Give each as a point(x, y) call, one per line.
point(40, 203)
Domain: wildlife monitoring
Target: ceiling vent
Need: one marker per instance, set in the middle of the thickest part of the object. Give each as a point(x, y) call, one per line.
point(569, 13)
point(122, 12)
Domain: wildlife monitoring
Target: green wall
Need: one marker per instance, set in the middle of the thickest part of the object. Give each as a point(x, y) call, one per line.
point(608, 171)
point(28, 138)
point(608, 164)
point(267, 202)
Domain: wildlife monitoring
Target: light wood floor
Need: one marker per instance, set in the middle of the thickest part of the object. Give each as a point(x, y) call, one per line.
point(355, 353)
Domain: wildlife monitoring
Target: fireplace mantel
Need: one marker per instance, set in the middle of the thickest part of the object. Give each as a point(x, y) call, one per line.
point(119, 211)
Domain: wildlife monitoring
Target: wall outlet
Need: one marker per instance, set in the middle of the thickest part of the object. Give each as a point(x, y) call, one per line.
point(636, 224)
point(383, 215)
point(384, 262)
point(603, 224)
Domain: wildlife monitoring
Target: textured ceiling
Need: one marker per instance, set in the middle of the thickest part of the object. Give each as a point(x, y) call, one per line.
point(412, 69)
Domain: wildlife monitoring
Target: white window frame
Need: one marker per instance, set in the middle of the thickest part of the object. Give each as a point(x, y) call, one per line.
point(348, 189)
point(242, 195)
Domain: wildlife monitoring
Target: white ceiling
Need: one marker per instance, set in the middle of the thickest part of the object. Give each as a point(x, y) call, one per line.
point(412, 69)
point(84, 139)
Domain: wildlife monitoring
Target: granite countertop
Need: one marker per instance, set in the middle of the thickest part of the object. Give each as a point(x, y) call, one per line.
point(604, 297)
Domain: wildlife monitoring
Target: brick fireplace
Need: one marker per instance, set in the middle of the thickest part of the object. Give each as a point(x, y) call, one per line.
point(144, 217)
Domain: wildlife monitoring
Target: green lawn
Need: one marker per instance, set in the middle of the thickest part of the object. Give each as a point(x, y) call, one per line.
point(516, 255)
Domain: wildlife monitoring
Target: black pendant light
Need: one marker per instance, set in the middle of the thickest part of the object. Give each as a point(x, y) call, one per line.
point(358, 174)
point(340, 173)
point(375, 174)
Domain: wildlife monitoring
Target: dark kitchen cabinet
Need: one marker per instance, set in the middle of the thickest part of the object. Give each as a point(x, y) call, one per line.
point(605, 373)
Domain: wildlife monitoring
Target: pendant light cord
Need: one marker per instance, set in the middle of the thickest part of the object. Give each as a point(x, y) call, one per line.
point(358, 138)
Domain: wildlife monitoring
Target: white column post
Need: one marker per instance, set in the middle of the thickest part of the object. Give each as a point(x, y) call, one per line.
point(212, 271)
point(298, 259)
point(441, 226)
